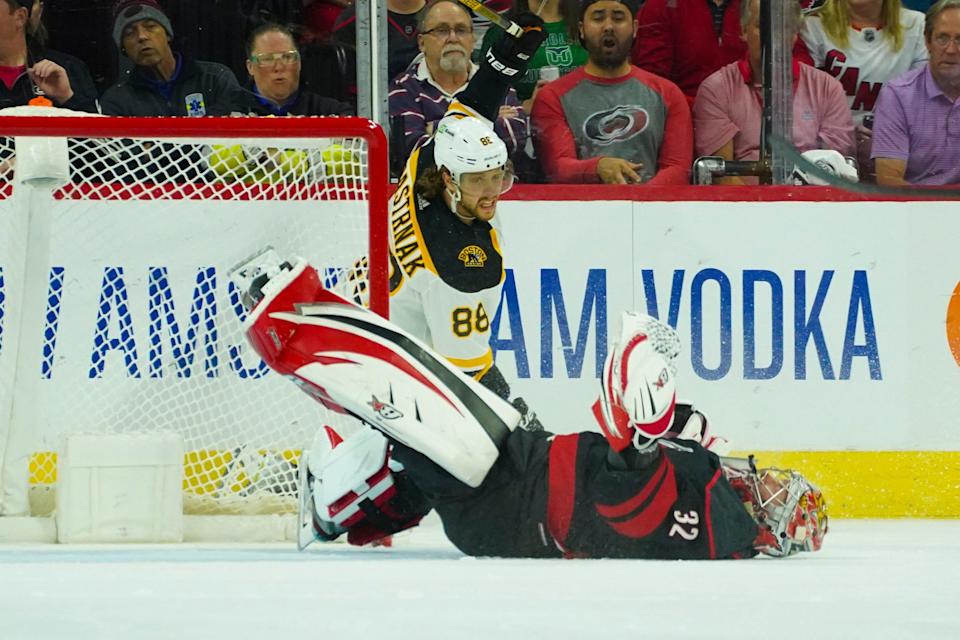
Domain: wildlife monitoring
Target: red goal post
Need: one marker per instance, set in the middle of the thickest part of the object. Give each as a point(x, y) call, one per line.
point(116, 314)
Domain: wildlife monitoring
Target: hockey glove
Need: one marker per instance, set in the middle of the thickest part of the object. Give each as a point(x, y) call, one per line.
point(528, 419)
point(504, 64)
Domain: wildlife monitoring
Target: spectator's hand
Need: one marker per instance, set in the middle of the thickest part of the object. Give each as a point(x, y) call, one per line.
point(619, 171)
point(864, 135)
point(528, 103)
point(507, 112)
point(52, 79)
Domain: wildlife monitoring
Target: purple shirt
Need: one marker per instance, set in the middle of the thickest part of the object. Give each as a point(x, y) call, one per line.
point(929, 138)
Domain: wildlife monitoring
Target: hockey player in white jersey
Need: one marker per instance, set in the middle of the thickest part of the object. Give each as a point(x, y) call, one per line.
point(446, 246)
point(446, 254)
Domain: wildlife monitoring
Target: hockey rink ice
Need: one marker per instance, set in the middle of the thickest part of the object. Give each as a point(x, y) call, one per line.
point(873, 579)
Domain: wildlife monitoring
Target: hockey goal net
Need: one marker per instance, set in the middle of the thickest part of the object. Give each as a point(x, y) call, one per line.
point(116, 311)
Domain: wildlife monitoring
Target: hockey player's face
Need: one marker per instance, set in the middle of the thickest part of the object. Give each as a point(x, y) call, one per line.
point(146, 43)
point(479, 192)
point(607, 31)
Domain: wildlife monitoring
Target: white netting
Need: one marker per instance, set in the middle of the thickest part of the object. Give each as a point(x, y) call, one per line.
point(119, 282)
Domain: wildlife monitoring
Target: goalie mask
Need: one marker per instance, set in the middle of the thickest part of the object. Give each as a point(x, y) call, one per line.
point(790, 511)
point(638, 395)
point(463, 144)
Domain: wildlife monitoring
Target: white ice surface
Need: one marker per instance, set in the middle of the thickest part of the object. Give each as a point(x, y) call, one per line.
point(873, 579)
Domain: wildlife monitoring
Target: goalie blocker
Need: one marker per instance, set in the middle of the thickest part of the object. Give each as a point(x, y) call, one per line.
point(452, 446)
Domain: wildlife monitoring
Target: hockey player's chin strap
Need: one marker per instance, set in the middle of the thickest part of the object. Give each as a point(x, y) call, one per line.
point(455, 207)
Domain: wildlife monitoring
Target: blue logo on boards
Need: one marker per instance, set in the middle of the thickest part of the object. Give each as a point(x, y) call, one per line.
point(778, 320)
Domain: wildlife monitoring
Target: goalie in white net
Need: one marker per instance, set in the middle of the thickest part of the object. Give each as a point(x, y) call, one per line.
point(646, 488)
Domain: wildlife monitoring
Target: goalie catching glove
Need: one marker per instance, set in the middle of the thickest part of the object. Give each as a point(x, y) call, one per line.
point(638, 393)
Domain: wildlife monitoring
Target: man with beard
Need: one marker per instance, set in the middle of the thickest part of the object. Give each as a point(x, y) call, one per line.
point(420, 96)
point(610, 121)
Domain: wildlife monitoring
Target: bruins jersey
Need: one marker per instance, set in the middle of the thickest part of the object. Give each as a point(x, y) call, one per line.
point(445, 276)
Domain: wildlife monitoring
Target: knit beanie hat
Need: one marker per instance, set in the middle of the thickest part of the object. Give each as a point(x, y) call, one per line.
point(126, 12)
point(630, 5)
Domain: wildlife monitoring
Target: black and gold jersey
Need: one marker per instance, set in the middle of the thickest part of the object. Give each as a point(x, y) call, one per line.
point(445, 275)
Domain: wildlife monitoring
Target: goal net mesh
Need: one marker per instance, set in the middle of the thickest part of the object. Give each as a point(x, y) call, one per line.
point(116, 309)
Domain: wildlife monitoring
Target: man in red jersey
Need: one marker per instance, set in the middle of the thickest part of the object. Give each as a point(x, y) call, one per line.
point(610, 121)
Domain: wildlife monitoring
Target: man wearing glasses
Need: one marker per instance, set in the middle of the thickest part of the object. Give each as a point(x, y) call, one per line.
point(916, 132)
point(420, 96)
point(164, 83)
point(273, 63)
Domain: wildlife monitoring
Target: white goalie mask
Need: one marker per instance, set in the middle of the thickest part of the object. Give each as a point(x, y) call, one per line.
point(463, 144)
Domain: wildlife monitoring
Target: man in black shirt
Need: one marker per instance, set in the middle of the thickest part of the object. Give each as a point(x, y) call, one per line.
point(401, 37)
point(162, 82)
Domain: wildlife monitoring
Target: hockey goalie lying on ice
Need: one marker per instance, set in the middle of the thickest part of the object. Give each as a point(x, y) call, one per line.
point(428, 437)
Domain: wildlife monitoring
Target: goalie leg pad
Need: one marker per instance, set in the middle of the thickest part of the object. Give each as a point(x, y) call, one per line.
point(354, 361)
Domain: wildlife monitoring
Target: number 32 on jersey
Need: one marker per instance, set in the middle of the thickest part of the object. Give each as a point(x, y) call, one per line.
point(467, 321)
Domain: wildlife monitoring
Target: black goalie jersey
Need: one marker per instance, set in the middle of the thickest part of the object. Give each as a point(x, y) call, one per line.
point(445, 275)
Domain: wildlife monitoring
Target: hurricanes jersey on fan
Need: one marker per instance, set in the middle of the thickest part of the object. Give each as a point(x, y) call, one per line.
point(445, 276)
point(869, 60)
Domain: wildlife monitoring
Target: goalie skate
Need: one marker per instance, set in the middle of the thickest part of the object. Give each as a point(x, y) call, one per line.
point(351, 359)
point(342, 469)
point(252, 274)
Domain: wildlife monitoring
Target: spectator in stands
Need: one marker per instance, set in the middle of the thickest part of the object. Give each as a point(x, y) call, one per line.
point(687, 40)
point(419, 97)
point(27, 69)
point(401, 36)
point(560, 53)
point(273, 62)
point(916, 138)
point(864, 43)
point(610, 121)
point(728, 108)
point(164, 83)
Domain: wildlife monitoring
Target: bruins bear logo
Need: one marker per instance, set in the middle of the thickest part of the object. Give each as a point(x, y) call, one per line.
point(472, 256)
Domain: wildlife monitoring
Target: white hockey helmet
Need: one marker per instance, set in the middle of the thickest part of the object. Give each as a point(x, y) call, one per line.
point(464, 144)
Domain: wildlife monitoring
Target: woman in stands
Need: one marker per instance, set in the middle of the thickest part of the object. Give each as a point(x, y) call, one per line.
point(273, 62)
point(864, 43)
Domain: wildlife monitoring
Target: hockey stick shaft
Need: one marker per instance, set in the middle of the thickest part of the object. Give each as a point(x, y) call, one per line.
point(480, 9)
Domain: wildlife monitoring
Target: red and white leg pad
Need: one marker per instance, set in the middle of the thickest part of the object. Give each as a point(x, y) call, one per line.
point(352, 360)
